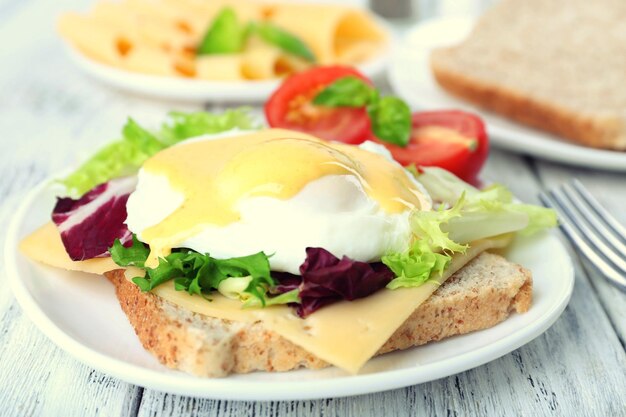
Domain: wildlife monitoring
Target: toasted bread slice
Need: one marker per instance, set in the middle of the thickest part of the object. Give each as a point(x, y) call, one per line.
point(480, 295)
point(552, 64)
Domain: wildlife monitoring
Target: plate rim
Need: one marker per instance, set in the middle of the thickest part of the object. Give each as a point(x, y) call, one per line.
point(229, 389)
point(200, 90)
point(542, 144)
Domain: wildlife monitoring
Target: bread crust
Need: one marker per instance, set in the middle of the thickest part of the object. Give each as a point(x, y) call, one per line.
point(211, 347)
point(598, 132)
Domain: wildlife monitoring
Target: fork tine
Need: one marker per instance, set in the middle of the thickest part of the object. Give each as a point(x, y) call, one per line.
point(603, 214)
point(579, 222)
point(594, 221)
point(616, 278)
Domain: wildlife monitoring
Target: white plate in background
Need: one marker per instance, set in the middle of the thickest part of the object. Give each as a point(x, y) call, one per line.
point(195, 90)
point(80, 313)
point(411, 78)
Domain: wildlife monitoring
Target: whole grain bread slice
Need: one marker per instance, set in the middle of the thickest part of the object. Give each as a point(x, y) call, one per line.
point(557, 65)
point(480, 295)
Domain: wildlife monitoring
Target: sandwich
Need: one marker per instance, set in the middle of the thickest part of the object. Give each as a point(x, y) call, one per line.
point(552, 65)
point(248, 249)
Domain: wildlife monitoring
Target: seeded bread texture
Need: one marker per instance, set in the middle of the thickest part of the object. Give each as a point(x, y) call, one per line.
point(482, 294)
point(557, 65)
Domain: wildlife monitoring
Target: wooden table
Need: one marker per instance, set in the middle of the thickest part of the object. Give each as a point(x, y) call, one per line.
point(51, 117)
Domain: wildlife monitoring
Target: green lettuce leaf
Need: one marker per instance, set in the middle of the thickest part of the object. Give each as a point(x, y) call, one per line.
point(243, 277)
point(415, 266)
point(126, 155)
point(288, 297)
point(180, 126)
point(465, 214)
point(483, 213)
point(539, 218)
point(134, 255)
point(427, 226)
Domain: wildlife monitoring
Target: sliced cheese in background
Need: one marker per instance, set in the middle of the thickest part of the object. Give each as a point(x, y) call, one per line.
point(345, 334)
point(333, 32)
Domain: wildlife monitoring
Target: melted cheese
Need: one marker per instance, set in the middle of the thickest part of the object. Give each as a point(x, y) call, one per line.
point(214, 175)
point(345, 334)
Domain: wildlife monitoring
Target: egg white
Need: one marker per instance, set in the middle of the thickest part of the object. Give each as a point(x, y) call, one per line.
point(332, 212)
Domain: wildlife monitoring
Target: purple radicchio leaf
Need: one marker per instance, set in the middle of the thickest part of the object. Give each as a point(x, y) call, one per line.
point(326, 279)
point(90, 224)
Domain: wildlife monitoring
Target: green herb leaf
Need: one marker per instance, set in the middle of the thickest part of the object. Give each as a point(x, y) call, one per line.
point(125, 156)
point(390, 117)
point(134, 255)
point(199, 273)
point(347, 91)
point(224, 36)
point(142, 283)
point(284, 40)
point(391, 120)
point(415, 266)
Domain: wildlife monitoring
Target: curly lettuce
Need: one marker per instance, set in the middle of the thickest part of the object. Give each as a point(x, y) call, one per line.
point(415, 266)
point(465, 214)
point(198, 273)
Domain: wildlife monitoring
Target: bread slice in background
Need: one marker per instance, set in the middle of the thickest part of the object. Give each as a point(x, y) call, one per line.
point(480, 295)
point(557, 65)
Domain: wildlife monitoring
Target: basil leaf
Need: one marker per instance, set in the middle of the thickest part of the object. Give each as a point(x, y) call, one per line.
point(391, 120)
point(347, 91)
point(224, 36)
point(286, 41)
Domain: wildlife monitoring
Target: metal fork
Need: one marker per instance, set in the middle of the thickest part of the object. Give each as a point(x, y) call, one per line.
point(591, 229)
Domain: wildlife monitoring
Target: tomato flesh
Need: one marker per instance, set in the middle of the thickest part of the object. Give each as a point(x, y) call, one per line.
point(291, 107)
point(451, 139)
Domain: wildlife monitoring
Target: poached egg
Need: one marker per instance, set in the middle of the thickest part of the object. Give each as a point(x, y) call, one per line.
point(276, 191)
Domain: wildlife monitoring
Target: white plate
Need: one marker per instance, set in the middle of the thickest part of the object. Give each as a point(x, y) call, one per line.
point(411, 78)
point(80, 313)
point(194, 90)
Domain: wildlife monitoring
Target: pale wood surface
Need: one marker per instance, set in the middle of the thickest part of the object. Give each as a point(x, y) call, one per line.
point(51, 116)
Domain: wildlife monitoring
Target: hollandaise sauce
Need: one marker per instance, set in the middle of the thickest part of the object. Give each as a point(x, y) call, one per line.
point(214, 175)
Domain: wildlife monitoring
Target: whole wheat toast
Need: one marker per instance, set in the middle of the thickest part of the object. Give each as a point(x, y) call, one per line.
point(480, 295)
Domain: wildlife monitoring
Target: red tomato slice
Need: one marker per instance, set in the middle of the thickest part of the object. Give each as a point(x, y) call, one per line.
point(291, 107)
point(451, 139)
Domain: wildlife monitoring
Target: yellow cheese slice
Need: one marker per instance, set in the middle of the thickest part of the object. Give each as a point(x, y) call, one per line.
point(345, 334)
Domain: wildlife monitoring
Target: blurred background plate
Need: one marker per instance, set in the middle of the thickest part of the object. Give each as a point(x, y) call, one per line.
point(194, 90)
point(411, 78)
